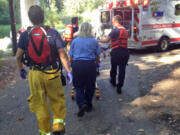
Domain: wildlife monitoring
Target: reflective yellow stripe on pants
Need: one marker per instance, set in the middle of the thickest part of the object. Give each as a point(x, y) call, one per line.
point(43, 133)
point(44, 85)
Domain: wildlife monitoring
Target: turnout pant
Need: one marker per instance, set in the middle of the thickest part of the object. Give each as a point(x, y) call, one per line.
point(84, 77)
point(119, 59)
point(44, 85)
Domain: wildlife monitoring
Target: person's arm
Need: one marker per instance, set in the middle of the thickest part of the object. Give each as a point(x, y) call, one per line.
point(19, 55)
point(64, 59)
point(102, 51)
point(97, 59)
point(75, 34)
point(71, 59)
point(105, 40)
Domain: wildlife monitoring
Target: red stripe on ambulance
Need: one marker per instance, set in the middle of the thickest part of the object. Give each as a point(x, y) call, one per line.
point(160, 26)
point(155, 42)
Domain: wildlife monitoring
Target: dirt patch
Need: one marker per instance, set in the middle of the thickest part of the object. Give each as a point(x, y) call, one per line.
point(159, 86)
point(8, 72)
point(171, 121)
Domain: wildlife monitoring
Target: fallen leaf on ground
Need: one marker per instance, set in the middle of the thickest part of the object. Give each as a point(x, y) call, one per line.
point(140, 130)
point(120, 100)
point(20, 118)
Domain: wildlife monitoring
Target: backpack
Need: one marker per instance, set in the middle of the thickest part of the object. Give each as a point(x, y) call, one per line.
point(68, 33)
point(39, 52)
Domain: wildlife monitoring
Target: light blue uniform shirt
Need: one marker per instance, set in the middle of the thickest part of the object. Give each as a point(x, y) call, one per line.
point(84, 48)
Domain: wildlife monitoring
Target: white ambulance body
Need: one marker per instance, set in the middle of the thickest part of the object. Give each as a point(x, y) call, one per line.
point(157, 24)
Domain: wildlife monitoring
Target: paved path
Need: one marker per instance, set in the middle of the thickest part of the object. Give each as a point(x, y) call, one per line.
point(111, 115)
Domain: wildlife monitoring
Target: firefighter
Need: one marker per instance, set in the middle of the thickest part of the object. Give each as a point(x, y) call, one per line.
point(44, 46)
point(119, 53)
point(69, 34)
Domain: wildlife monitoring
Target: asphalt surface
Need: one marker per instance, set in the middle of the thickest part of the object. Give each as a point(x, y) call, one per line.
point(111, 115)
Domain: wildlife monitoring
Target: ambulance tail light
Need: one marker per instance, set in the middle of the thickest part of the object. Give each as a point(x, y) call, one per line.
point(135, 29)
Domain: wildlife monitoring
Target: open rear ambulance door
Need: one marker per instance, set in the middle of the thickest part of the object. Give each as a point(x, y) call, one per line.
point(126, 15)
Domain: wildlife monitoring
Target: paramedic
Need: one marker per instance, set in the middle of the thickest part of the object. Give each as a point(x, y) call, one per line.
point(119, 53)
point(43, 85)
point(84, 53)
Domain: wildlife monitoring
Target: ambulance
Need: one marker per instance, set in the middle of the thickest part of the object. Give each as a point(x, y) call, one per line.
point(150, 23)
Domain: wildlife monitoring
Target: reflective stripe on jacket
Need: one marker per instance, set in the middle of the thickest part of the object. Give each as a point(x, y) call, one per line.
point(122, 39)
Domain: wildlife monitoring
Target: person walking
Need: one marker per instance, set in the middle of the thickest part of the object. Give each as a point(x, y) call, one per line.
point(69, 34)
point(119, 53)
point(43, 46)
point(84, 52)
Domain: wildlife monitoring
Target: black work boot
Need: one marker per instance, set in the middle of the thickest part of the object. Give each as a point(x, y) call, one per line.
point(89, 108)
point(113, 82)
point(119, 90)
point(58, 133)
point(82, 111)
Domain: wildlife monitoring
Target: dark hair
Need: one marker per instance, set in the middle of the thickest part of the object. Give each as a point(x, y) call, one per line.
point(74, 20)
point(117, 18)
point(36, 14)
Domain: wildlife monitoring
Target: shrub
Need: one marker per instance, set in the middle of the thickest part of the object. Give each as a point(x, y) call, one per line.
point(5, 30)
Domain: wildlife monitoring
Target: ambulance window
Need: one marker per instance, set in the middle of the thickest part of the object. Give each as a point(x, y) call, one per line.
point(127, 15)
point(177, 9)
point(105, 17)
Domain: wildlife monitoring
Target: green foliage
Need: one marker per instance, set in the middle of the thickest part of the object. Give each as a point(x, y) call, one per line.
point(59, 5)
point(5, 30)
point(1, 55)
point(4, 11)
point(51, 18)
point(17, 11)
point(4, 19)
point(51, 13)
point(78, 7)
point(60, 12)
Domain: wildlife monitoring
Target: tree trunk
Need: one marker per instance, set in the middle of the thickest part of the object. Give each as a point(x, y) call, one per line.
point(13, 27)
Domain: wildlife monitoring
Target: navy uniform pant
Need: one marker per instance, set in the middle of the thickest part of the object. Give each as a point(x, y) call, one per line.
point(119, 60)
point(84, 78)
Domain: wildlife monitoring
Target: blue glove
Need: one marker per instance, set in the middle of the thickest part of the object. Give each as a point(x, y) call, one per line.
point(23, 73)
point(69, 77)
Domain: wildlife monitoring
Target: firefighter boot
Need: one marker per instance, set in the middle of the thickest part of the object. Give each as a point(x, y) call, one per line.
point(58, 129)
point(73, 93)
point(58, 133)
point(97, 94)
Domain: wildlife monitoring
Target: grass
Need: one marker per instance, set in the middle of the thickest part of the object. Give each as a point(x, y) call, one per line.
point(1, 55)
point(5, 30)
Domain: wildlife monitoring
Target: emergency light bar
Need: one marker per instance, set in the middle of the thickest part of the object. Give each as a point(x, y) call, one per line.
point(125, 3)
